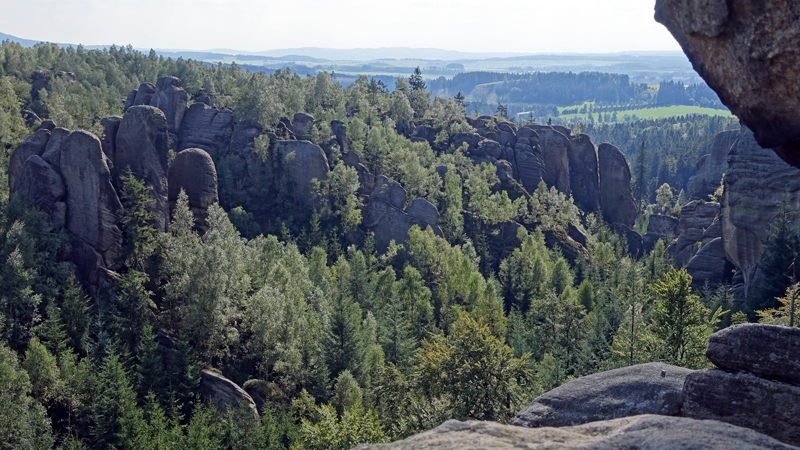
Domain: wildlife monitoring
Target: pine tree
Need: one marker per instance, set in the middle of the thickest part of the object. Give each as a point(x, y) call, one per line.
point(776, 263)
point(344, 346)
point(150, 371)
point(641, 179)
point(183, 376)
point(415, 80)
point(113, 409)
point(75, 314)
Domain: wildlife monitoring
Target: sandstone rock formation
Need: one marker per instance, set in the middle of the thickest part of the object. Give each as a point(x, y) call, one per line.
point(32, 145)
point(193, 171)
point(646, 432)
point(616, 198)
point(110, 126)
point(710, 167)
point(745, 400)
point(748, 52)
point(300, 124)
point(653, 388)
point(224, 393)
point(709, 267)
point(171, 100)
point(583, 173)
point(755, 182)
point(142, 145)
point(303, 162)
point(207, 128)
point(767, 351)
point(659, 226)
point(143, 94)
point(695, 229)
point(554, 150)
point(43, 186)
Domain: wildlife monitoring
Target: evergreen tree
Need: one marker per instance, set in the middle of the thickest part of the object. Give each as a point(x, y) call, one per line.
point(183, 376)
point(641, 177)
point(344, 344)
point(150, 371)
point(75, 314)
point(415, 80)
point(113, 409)
point(778, 263)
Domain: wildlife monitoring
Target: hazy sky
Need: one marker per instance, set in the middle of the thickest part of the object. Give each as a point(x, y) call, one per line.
point(252, 25)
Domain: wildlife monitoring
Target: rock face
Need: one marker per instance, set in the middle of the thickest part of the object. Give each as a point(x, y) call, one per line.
point(710, 266)
point(143, 146)
point(193, 171)
point(711, 167)
point(302, 161)
point(755, 182)
point(653, 388)
point(695, 226)
point(144, 94)
point(300, 124)
point(93, 208)
point(583, 173)
point(384, 214)
point(43, 186)
point(34, 144)
point(616, 198)
point(748, 52)
point(767, 351)
point(744, 400)
point(171, 100)
point(207, 128)
point(224, 393)
point(554, 150)
point(658, 226)
point(646, 432)
point(110, 126)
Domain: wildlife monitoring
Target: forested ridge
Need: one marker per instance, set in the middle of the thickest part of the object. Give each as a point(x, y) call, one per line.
point(337, 341)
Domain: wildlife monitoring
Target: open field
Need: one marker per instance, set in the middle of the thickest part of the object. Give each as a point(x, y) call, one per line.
point(650, 113)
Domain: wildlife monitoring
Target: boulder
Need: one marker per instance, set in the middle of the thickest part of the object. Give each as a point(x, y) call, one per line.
point(632, 238)
point(471, 139)
point(389, 191)
point(747, 51)
point(744, 400)
point(711, 167)
point(390, 223)
point(43, 186)
point(302, 161)
point(207, 128)
point(572, 250)
point(755, 182)
point(490, 148)
point(39, 81)
point(171, 100)
point(767, 351)
point(93, 208)
point(659, 226)
point(48, 125)
point(34, 144)
point(30, 117)
point(193, 171)
point(652, 388)
point(645, 432)
point(709, 267)
point(505, 138)
point(554, 151)
point(529, 134)
point(129, 100)
point(243, 137)
point(144, 94)
point(616, 198)
point(339, 131)
point(424, 211)
point(143, 147)
point(583, 174)
point(224, 393)
point(110, 126)
point(300, 124)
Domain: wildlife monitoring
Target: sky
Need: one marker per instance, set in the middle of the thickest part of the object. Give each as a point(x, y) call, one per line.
point(528, 26)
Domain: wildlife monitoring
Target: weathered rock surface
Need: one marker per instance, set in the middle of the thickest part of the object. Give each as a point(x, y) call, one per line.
point(224, 393)
point(207, 128)
point(554, 150)
point(711, 167)
point(339, 132)
point(632, 239)
point(755, 182)
point(93, 208)
point(744, 400)
point(110, 126)
point(144, 94)
point(529, 168)
point(300, 124)
point(710, 266)
point(645, 432)
point(583, 173)
point(43, 186)
point(143, 146)
point(34, 144)
point(303, 162)
point(616, 198)
point(390, 223)
point(471, 139)
point(653, 388)
point(658, 226)
point(389, 191)
point(193, 171)
point(695, 226)
point(171, 100)
point(749, 53)
point(52, 153)
point(767, 351)
point(243, 137)
point(424, 211)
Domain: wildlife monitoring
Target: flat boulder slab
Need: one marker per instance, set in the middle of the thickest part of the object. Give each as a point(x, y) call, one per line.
point(744, 400)
point(224, 393)
point(748, 51)
point(652, 388)
point(767, 351)
point(645, 432)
